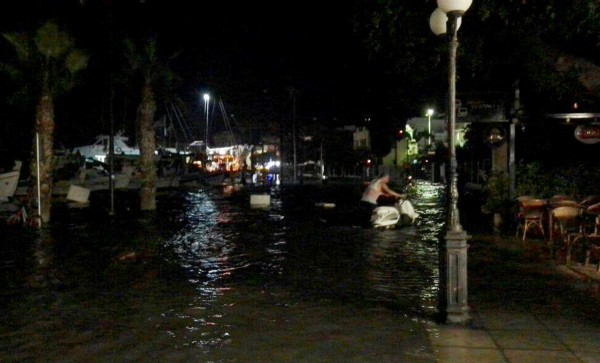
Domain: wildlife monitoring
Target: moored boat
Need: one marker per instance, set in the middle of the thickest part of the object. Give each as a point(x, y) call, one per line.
point(99, 150)
point(9, 181)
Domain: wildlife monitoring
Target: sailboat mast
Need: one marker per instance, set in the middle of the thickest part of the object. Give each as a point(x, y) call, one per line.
point(294, 134)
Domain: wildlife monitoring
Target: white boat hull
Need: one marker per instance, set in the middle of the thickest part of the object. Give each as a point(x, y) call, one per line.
point(9, 182)
point(99, 150)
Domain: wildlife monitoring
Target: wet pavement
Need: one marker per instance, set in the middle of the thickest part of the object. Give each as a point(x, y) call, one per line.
point(526, 307)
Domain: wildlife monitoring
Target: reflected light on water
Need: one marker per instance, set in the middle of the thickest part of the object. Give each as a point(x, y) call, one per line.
point(200, 246)
point(229, 283)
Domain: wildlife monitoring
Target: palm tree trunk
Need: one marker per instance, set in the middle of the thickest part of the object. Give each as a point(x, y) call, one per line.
point(45, 127)
point(147, 148)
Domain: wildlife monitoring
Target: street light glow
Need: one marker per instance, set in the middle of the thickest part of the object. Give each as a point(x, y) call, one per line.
point(429, 114)
point(458, 6)
point(206, 98)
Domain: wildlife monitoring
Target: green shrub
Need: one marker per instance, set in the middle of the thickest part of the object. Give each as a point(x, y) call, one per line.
point(497, 193)
point(543, 181)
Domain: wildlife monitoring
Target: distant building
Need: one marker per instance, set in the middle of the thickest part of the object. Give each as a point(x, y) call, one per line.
point(400, 153)
point(439, 132)
point(362, 138)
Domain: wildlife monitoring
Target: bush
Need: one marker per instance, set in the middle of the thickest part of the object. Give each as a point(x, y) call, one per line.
point(497, 193)
point(542, 181)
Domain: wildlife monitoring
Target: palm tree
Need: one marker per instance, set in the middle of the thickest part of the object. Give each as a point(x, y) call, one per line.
point(155, 73)
point(48, 63)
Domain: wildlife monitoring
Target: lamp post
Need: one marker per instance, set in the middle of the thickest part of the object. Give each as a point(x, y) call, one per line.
point(429, 114)
point(206, 97)
point(445, 20)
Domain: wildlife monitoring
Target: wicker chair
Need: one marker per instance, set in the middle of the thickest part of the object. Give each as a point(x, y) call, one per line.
point(531, 215)
point(570, 222)
point(590, 200)
point(593, 238)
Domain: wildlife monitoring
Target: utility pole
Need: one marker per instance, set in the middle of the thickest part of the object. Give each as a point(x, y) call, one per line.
point(111, 116)
point(295, 164)
point(512, 125)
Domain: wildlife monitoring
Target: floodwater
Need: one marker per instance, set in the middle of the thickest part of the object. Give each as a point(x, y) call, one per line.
point(206, 278)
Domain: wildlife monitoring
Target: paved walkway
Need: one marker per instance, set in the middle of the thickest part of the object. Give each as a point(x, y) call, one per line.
point(525, 308)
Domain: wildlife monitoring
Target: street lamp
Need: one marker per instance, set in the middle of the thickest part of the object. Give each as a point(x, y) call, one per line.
point(446, 20)
point(429, 114)
point(206, 97)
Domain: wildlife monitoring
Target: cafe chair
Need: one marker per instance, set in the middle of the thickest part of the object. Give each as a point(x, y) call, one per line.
point(557, 198)
point(531, 215)
point(524, 197)
point(555, 202)
point(569, 220)
point(593, 238)
point(519, 212)
point(590, 200)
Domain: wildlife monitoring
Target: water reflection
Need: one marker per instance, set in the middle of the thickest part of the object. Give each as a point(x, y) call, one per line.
point(213, 278)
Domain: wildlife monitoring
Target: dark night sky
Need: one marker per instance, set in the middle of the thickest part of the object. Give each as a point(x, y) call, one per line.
point(249, 54)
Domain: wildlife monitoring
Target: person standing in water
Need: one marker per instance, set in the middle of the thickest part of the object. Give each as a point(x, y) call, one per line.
point(376, 188)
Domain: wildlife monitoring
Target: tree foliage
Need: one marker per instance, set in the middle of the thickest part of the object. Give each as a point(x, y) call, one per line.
point(550, 46)
point(46, 58)
point(46, 65)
